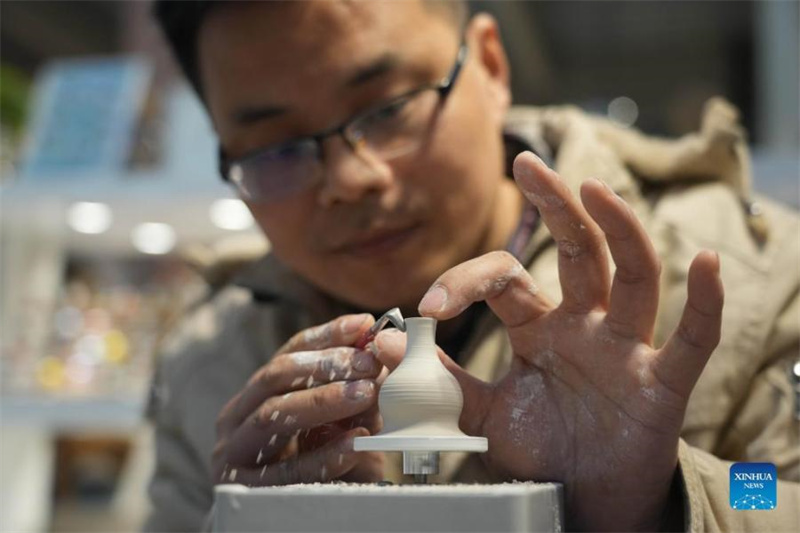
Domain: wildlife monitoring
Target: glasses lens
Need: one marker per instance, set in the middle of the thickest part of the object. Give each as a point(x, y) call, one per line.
point(276, 174)
point(399, 127)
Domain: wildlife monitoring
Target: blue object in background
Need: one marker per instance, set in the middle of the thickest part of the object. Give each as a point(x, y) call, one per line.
point(84, 116)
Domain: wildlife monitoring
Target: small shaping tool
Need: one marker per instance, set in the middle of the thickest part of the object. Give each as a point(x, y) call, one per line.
point(393, 315)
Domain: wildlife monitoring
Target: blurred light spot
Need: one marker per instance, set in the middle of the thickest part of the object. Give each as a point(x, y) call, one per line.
point(230, 214)
point(90, 350)
point(623, 110)
point(50, 373)
point(153, 238)
point(78, 373)
point(117, 347)
point(89, 217)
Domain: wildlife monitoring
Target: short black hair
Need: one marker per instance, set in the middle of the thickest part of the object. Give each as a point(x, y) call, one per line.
point(180, 20)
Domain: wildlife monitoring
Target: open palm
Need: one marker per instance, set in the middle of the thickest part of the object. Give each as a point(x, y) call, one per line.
point(588, 401)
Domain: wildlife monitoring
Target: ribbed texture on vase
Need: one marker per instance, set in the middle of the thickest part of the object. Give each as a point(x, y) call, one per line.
point(421, 394)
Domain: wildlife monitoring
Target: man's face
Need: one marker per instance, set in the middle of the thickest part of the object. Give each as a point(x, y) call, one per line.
point(373, 233)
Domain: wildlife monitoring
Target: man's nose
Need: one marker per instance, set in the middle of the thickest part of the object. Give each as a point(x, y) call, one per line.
point(350, 172)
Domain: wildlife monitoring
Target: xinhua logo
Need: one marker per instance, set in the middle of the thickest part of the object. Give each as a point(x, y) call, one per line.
point(753, 486)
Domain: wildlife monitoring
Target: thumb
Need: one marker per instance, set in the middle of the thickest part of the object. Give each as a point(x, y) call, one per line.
point(390, 345)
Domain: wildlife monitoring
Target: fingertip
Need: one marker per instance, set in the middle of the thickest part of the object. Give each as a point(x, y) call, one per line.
point(352, 324)
point(524, 171)
point(524, 161)
point(388, 347)
point(591, 191)
point(389, 338)
point(433, 302)
point(352, 434)
point(705, 280)
point(707, 260)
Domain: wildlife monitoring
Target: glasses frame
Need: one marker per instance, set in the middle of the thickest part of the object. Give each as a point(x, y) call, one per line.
point(443, 88)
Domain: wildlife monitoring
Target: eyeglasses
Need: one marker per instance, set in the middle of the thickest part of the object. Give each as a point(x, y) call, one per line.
point(389, 130)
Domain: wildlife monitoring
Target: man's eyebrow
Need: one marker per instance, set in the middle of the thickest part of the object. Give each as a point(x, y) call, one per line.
point(382, 65)
point(248, 115)
point(385, 63)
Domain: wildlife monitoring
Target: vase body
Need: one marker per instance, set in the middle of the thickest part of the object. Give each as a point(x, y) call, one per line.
point(421, 397)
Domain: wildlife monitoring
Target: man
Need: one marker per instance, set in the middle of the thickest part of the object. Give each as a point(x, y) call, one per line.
point(367, 139)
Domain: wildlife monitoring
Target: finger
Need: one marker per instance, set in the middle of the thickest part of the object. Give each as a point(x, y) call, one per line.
point(295, 371)
point(582, 263)
point(634, 292)
point(318, 436)
point(343, 331)
point(679, 363)
point(496, 277)
point(368, 469)
point(391, 345)
point(371, 420)
point(271, 426)
point(332, 461)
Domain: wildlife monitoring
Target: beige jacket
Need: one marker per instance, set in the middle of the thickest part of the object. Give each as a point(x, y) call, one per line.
point(692, 193)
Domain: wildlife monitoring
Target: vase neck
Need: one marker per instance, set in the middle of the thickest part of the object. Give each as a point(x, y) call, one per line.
point(421, 332)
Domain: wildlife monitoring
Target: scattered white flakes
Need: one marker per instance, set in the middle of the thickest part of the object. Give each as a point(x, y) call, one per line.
point(297, 381)
point(305, 358)
point(516, 413)
point(263, 470)
point(287, 395)
point(532, 288)
point(290, 420)
point(544, 200)
point(310, 382)
point(260, 456)
point(349, 373)
point(232, 477)
point(272, 440)
point(332, 375)
point(317, 334)
point(274, 416)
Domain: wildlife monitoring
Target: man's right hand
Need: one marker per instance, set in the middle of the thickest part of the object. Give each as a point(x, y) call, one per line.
point(295, 419)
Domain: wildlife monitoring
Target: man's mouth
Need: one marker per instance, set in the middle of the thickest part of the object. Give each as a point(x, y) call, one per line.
point(377, 242)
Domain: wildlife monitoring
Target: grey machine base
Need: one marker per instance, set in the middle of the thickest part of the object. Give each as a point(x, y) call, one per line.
point(505, 507)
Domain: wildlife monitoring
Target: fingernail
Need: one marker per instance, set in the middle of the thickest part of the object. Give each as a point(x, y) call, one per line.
point(433, 300)
point(522, 169)
point(387, 339)
point(353, 323)
point(536, 158)
point(358, 390)
point(604, 184)
point(364, 361)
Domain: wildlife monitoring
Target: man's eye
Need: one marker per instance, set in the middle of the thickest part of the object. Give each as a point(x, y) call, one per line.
point(289, 151)
point(389, 112)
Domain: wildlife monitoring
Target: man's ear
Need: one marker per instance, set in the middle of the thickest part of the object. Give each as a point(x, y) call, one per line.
point(483, 39)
